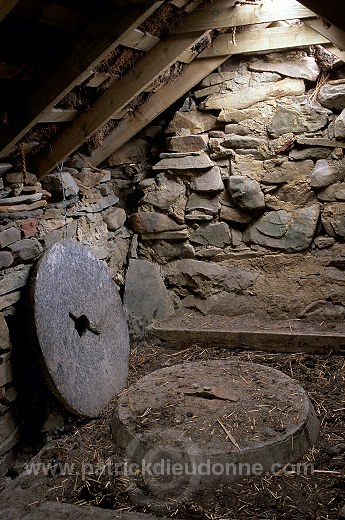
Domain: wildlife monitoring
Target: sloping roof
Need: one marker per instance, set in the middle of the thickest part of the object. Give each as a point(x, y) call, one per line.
point(87, 76)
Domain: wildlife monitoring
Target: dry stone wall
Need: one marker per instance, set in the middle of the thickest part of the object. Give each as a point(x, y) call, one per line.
point(244, 208)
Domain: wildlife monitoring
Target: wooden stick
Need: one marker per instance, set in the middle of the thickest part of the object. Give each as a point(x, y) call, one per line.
point(230, 437)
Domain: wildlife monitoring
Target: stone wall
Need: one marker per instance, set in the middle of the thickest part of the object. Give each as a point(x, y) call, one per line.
point(244, 209)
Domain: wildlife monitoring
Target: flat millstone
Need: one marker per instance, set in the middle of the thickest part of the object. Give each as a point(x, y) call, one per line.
point(80, 328)
point(183, 413)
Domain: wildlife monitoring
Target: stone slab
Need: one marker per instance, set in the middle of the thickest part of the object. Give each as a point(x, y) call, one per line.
point(80, 328)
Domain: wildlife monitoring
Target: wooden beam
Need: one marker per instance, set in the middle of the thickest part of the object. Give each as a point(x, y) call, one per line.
point(58, 115)
point(329, 31)
point(6, 7)
point(139, 40)
point(116, 97)
point(333, 10)
point(89, 49)
point(224, 13)
point(264, 40)
point(155, 105)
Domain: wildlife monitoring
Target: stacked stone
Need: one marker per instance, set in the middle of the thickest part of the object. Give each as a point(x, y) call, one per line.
point(9, 431)
point(255, 170)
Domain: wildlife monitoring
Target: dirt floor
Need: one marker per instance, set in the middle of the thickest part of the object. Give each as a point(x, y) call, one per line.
point(96, 476)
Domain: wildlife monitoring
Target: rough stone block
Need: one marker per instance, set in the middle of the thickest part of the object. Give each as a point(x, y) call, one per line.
point(164, 195)
point(29, 227)
point(115, 219)
point(214, 234)
point(195, 122)
point(14, 278)
point(188, 162)
point(188, 143)
point(333, 219)
point(5, 342)
point(9, 236)
point(234, 215)
point(145, 293)
point(208, 182)
point(6, 259)
point(198, 203)
point(153, 222)
point(27, 248)
point(332, 96)
point(339, 126)
point(246, 192)
point(303, 68)
point(326, 173)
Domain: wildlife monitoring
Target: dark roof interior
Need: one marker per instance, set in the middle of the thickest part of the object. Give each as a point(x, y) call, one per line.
point(86, 76)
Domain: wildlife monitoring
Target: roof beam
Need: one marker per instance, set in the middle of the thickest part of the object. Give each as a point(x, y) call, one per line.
point(116, 97)
point(273, 38)
point(89, 49)
point(224, 13)
point(334, 50)
point(6, 7)
point(332, 10)
point(155, 105)
point(331, 32)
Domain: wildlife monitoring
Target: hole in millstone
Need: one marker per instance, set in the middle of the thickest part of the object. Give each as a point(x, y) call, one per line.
point(81, 324)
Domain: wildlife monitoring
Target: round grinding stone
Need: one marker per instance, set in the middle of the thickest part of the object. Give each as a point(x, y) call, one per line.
point(213, 422)
point(80, 327)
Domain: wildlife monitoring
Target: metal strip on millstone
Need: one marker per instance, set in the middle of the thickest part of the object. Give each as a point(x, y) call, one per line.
point(80, 328)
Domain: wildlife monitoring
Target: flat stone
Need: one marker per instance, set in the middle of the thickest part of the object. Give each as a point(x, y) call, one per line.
point(208, 182)
point(5, 342)
point(14, 278)
point(115, 219)
point(102, 204)
point(339, 126)
point(187, 162)
point(304, 68)
point(182, 234)
point(88, 178)
point(198, 216)
point(320, 141)
point(316, 152)
point(209, 206)
point(236, 237)
point(246, 192)
point(59, 184)
point(324, 242)
point(235, 128)
point(81, 329)
point(165, 195)
point(6, 259)
point(333, 219)
point(298, 117)
point(153, 222)
point(26, 249)
point(261, 112)
point(299, 226)
point(195, 121)
point(215, 78)
point(241, 141)
point(9, 299)
point(187, 143)
point(234, 215)
point(145, 293)
point(332, 96)
point(215, 234)
point(7, 425)
point(19, 177)
point(251, 95)
point(332, 193)
point(9, 236)
point(326, 173)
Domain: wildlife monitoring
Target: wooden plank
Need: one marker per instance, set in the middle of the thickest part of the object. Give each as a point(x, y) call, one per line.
point(155, 105)
point(329, 31)
point(90, 48)
point(187, 56)
point(224, 13)
point(246, 339)
point(58, 115)
point(264, 40)
point(6, 7)
point(116, 97)
point(139, 40)
point(332, 10)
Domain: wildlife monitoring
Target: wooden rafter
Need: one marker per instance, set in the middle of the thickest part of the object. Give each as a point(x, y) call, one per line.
point(117, 97)
point(273, 38)
point(6, 7)
point(337, 52)
point(331, 32)
point(90, 48)
point(224, 13)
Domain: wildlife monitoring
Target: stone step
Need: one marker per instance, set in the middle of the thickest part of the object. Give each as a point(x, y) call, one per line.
point(249, 334)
